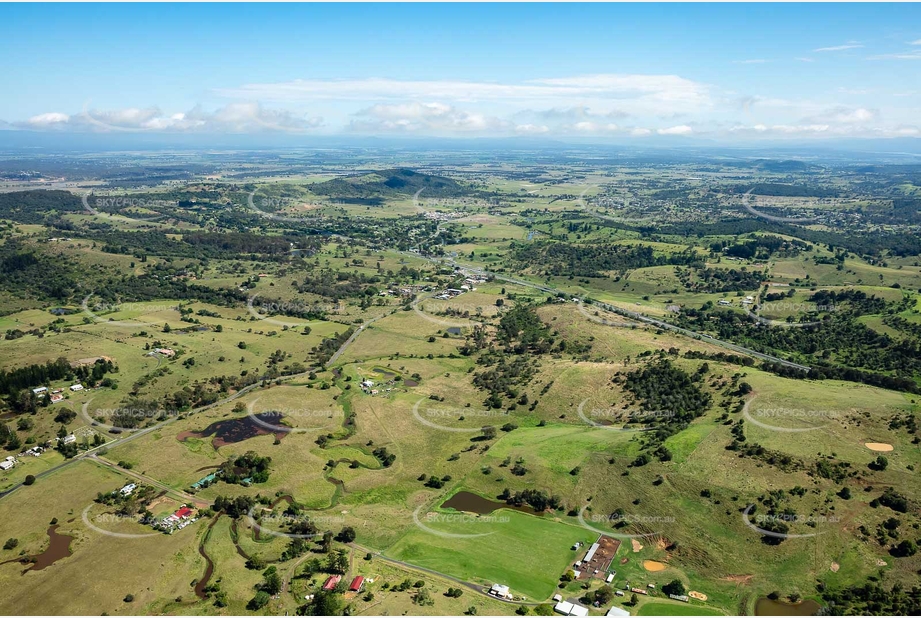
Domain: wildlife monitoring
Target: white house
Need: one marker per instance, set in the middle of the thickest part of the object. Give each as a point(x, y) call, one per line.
point(127, 489)
point(6, 465)
point(500, 591)
point(617, 611)
point(76, 387)
point(41, 390)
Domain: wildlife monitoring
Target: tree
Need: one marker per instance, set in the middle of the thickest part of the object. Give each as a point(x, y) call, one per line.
point(30, 479)
point(880, 464)
point(674, 587)
point(905, 549)
point(259, 601)
point(346, 535)
point(11, 544)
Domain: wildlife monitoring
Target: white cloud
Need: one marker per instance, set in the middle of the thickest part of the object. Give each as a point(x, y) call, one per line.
point(918, 42)
point(415, 117)
point(839, 47)
point(587, 126)
point(682, 129)
point(643, 92)
point(805, 59)
point(233, 118)
point(640, 132)
point(531, 129)
point(49, 119)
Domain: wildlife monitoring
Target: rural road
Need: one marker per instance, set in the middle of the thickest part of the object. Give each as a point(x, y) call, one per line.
point(92, 453)
point(633, 315)
point(413, 567)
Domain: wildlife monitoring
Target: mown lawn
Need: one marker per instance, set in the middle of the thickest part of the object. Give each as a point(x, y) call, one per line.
point(525, 552)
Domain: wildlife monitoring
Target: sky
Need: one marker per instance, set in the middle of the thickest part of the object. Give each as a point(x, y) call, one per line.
point(622, 72)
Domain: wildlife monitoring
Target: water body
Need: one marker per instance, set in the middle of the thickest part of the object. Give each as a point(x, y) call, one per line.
point(58, 548)
point(410, 383)
point(209, 569)
point(235, 430)
point(454, 330)
point(474, 503)
point(768, 607)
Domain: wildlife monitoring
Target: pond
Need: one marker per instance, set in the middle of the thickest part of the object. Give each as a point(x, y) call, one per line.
point(768, 607)
point(58, 548)
point(235, 430)
point(470, 502)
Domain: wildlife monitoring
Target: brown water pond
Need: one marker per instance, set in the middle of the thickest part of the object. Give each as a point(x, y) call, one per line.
point(768, 607)
point(233, 430)
point(58, 548)
point(470, 502)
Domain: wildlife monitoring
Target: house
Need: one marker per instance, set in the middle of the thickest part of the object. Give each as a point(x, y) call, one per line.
point(70, 439)
point(563, 607)
point(76, 387)
point(609, 578)
point(617, 611)
point(367, 383)
point(331, 582)
point(500, 591)
point(725, 302)
point(127, 489)
point(7, 463)
point(165, 352)
point(56, 398)
point(570, 609)
point(357, 584)
point(558, 597)
point(619, 593)
point(41, 390)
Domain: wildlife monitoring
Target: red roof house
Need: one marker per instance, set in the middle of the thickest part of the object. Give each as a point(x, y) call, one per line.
point(183, 512)
point(356, 584)
point(331, 582)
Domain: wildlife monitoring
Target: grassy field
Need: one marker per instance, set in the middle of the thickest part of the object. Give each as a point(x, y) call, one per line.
point(526, 552)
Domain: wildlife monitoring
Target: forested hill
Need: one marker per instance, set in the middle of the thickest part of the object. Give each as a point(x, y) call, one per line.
point(390, 183)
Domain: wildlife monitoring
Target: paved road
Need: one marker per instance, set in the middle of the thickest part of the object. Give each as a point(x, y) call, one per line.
point(633, 315)
point(143, 432)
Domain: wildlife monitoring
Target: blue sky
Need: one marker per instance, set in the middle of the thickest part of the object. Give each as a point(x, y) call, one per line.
point(621, 71)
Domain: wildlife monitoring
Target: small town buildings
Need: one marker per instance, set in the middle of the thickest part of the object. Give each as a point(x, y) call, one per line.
point(499, 590)
point(57, 398)
point(725, 302)
point(165, 352)
point(40, 391)
point(7, 463)
point(127, 489)
point(70, 439)
point(357, 584)
point(76, 387)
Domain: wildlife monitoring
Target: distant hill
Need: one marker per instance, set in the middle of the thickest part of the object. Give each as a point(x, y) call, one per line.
point(372, 188)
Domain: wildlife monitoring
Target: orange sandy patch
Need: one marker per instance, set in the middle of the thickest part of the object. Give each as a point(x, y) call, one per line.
point(700, 596)
point(636, 545)
point(834, 567)
point(880, 447)
point(738, 579)
point(652, 565)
